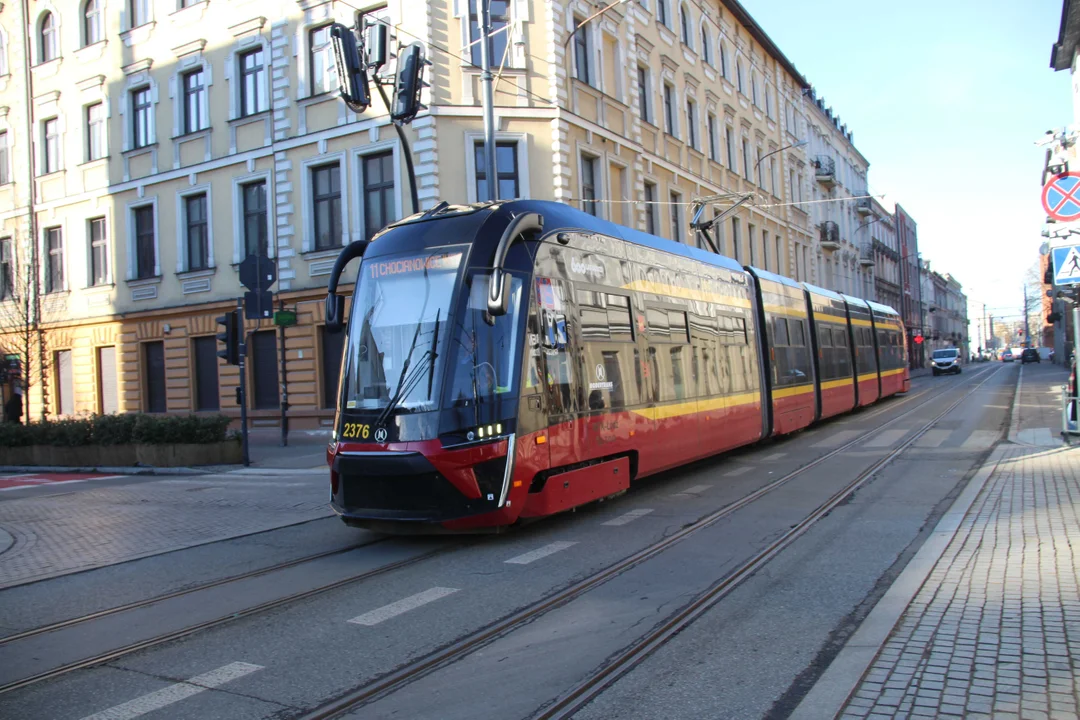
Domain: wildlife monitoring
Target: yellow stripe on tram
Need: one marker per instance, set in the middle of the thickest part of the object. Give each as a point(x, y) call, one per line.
point(792, 391)
point(861, 323)
point(867, 376)
point(656, 288)
point(692, 407)
point(829, 385)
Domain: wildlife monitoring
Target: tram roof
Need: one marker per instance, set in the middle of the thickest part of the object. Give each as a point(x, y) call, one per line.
point(852, 300)
point(883, 309)
point(822, 291)
point(766, 275)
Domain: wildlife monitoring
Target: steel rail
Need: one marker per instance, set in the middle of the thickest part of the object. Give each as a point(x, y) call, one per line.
point(410, 672)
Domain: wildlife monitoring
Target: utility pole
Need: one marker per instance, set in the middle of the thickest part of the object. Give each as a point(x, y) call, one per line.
point(1027, 326)
point(488, 101)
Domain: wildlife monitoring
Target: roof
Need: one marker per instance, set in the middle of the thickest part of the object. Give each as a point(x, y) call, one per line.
point(859, 302)
point(1061, 52)
point(759, 34)
point(883, 309)
point(822, 291)
point(779, 279)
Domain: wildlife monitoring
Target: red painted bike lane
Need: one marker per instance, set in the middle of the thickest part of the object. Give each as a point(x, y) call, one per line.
point(13, 482)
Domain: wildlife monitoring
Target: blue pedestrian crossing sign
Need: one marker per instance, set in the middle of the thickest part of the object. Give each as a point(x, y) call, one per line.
point(1066, 265)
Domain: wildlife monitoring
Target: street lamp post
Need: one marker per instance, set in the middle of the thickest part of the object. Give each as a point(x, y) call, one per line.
point(757, 165)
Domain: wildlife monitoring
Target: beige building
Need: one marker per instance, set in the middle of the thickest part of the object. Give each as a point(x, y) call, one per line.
point(147, 146)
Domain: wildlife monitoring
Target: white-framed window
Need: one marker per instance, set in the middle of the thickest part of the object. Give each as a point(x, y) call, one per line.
point(650, 207)
point(582, 51)
point(706, 45)
point(193, 94)
point(740, 81)
point(770, 106)
point(729, 141)
point(252, 88)
point(714, 139)
point(139, 12)
point(754, 88)
point(591, 183)
point(53, 251)
point(98, 249)
point(644, 83)
point(378, 188)
point(691, 123)
point(96, 135)
point(49, 38)
point(194, 229)
point(93, 22)
point(663, 13)
point(757, 168)
point(142, 117)
point(747, 167)
point(725, 63)
point(324, 187)
point(143, 255)
point(5, 158)
point(670, 123)
point(7, 269)
point(251, 227)
point(498, 39)
point(50, 143)
point(685, 23)
point(512, 165)
point(675, 205)
point(321, 65)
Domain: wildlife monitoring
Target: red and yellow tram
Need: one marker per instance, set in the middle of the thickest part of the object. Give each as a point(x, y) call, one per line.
point(513, 360)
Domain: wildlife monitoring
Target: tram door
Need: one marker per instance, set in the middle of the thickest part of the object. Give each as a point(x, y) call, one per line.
point(561, 370)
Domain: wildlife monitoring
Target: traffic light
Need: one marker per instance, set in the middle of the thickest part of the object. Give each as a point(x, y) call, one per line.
point(408, 83)
point(230, 335)
point(918, 339)
point(351, 69)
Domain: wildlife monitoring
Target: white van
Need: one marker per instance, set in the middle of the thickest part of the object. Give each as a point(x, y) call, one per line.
point(946, 360)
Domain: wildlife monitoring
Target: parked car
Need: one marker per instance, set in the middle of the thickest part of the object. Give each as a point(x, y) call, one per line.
point(946, 360)
point(1007, 356)
point(1030, 355)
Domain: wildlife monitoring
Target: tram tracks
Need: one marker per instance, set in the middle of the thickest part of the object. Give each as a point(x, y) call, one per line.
point(622, 663)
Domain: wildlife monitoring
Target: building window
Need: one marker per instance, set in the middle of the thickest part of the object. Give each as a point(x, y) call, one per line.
point(643, 93)
point(194, 100)
point(145, 252)
point(323, 69)
point(326, 198)
point(736, 238)
point(256, 237)
point(779, 256)
point(99, 252)
point(753, 88)
point(714, 148)
point(506, 168)
point(739, 75)
point(669, 109)
point(54, 260)
point(195, 221)
point(140, 117)
point(5, 159)
point(50, 38)
point(154, 377)
point(765, 248)
point(772, 176)
point(706, 46)
point(93, 27)
point(207, 396)
point(333, 347)
point(747, 170)
point(676, 216)
point(7, 269)
point(252, 83)
point(264, 370)
point(95, 131)
point(140, 12)
point(663, 14)
point(581, 52)
point(650, 208)
point(769, 104)
point(588, 185)
point(691, 124)
point(500, 18)
point(65, 384)
point(750, 239)
point(106, 380)
point(757, 169)
point(722, 51)
point(684, 25)
point(378, 182)
point(729, 140)
point(51, 135)
point(3, 57)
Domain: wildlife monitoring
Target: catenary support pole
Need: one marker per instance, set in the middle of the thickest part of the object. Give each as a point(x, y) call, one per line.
point(284, 384)
point(243, 384)
point(488, 101)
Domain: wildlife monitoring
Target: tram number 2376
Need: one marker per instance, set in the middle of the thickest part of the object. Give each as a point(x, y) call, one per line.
point(356, 430)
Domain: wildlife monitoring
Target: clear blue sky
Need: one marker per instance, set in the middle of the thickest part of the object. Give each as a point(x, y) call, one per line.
point(946, 99)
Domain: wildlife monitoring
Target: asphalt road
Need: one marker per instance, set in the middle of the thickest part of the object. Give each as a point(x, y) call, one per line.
point(753, 655)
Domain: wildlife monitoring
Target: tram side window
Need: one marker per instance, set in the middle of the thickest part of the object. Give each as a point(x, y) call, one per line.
point(706, 357)
point(677, 325)
point(606, 332)
point(659, 331)
point(800, 353)
point(620, 324)
point(843, 355)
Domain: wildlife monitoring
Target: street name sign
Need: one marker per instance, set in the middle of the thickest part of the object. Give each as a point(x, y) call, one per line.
point(1066, 265)
point(1061, 197)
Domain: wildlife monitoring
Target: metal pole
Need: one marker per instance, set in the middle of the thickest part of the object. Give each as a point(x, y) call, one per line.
point(284, 384)
point(488, 101)
point(1027, 326)
point(243, 383)
point(1076, 340)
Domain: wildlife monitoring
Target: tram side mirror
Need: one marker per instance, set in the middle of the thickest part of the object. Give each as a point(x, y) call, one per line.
point(335, 312)
point(498, 301)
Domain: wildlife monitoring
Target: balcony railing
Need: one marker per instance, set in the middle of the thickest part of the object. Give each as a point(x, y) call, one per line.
point(825, 170)
point(866, 254)
point(863, 206)
point(830, 235)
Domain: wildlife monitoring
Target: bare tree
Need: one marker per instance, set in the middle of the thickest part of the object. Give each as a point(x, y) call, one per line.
point(20, 325)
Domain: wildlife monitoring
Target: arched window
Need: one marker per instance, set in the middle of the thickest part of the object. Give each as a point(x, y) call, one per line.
point(739, 76)
point(753, 88)
point(706, 46)
point(50, 38)
point(722, 52)
point(684, 22)
point(93, 27)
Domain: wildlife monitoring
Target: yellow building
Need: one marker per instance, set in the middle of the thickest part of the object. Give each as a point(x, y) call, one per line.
point(147, 147)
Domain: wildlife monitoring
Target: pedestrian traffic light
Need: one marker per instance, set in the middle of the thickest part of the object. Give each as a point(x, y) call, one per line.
point(918, 339)
point(230, 335)
point(408, 83)
point(351, 70)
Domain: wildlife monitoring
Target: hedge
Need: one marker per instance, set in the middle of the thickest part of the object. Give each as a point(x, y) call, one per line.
point(129, 429)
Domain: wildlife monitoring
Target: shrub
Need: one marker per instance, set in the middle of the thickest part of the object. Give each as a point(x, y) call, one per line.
point(118, 430)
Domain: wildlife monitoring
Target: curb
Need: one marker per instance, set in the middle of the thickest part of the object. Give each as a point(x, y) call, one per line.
point(1014, 415)
point(829, 694)
point(37, 469)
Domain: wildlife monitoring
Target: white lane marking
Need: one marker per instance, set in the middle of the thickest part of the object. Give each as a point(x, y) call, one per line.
point(234, 484)
point(628, 517)
point(886, 438)
point(933, 438)
point(838, 439)
point(175, 693)
point(538, 553)
point(739, 471)
point(980, 439)
point(695, 490)
point(774, 456)
point(374, 617)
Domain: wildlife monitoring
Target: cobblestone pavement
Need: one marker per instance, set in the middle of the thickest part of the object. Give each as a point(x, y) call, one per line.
point(58, 534)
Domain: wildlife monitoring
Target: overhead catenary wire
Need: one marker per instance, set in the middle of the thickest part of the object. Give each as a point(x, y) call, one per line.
point(603, 201)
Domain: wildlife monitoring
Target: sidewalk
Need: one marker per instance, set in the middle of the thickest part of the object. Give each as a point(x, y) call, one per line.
point(985, 620)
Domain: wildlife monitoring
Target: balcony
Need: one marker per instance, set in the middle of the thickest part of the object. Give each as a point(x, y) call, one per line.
point(866, 255)
point(863, 207)
point(830, 235)
point(825, 170)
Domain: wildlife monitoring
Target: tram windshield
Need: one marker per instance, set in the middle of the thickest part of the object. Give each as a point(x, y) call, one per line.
point(398, 328)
